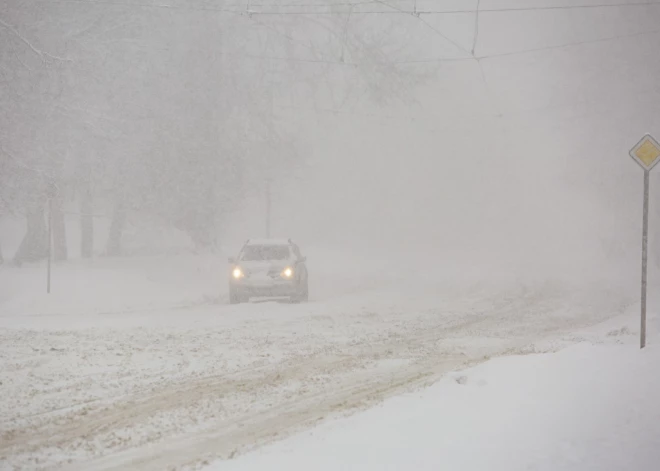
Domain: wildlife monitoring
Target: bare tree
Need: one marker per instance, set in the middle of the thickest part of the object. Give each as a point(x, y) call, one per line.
point(137, 120)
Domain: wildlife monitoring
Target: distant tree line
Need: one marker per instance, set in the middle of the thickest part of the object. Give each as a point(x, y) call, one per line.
point(164, 115)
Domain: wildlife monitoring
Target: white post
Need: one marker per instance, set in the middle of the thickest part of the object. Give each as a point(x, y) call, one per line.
point(645, 233)
point(268, 207)
point(50, 242)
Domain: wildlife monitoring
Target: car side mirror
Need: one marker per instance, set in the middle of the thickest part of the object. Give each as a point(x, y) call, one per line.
point(232, 259)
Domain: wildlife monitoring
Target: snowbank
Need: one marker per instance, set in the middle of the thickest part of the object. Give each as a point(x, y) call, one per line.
point(138, 359)
point(584, 408)
point(108, 285)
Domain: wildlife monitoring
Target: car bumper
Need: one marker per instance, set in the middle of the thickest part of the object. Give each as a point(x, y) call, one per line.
point(280, 289)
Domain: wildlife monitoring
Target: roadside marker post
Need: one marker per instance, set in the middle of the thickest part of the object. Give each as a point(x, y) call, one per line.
point(647, 154)
point(51, 193)
point(50, 244)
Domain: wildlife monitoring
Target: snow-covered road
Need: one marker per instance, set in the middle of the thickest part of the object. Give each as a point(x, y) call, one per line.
point(586, 407)
point(167, 388)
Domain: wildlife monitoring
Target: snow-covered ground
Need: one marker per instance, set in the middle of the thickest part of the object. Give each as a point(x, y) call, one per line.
point(589, 407)
point(140, 363)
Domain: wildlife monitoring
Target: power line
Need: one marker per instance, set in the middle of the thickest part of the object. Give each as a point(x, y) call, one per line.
point(569, 7)
point(438, 60)
point(394, 10)
point(428, 25)
point(366, 2)
point(287, 59)
point(527, 51)
point(159, 6)
point(475, 35)
point(428, 119)
point(238, 13)
point(579, 43)
point(37, 51)
point(249, 12)
point(429, 11)
point(337, 4)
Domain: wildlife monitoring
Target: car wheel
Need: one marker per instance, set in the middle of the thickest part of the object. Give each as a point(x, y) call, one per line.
point(234, 298)
point(303, 295)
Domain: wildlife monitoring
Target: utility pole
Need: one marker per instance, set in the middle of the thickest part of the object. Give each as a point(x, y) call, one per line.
point(269, 159)
point(50, 242)
point(51, 193)
point(268, 206)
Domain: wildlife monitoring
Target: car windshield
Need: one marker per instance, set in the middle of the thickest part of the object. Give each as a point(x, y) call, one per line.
point(253, 253)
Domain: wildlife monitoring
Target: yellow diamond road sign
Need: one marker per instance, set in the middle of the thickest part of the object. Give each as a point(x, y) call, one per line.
point(646, 152)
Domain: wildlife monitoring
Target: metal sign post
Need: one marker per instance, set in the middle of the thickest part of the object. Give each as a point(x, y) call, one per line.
point(647, 154)
point(268, 206)
point(51, 193)
point(50, 243)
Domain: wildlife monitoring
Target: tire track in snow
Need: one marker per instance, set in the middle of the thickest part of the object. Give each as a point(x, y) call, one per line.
point(140, 407)
point(355, 383)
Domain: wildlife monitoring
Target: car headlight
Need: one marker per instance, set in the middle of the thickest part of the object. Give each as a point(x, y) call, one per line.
point(237, 273)
point(287, 272)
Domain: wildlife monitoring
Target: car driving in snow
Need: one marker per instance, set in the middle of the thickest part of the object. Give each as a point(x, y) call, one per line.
point(268, 268)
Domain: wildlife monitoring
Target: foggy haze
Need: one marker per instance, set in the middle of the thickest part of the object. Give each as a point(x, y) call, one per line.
point(456, 172)
point(397, 139)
